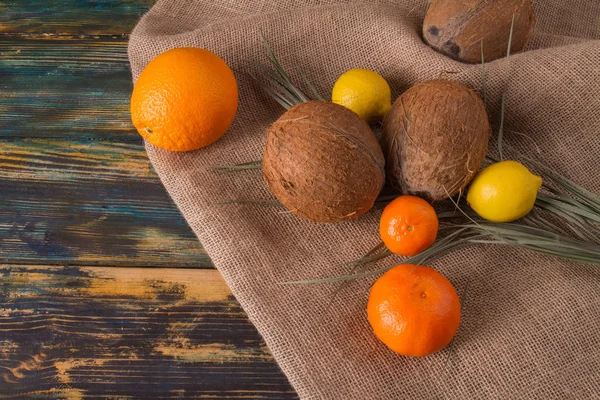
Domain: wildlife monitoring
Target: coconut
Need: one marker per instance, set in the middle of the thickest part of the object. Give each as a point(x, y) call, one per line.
point(435, 138)
point(323, 162)
point(457, 28)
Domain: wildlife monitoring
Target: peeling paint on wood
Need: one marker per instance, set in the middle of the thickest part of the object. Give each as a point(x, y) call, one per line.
point(74, 161)
point(78, 17)
point(137, 333)
point(214, 352)
point(76, 189)
point(132, 283)
point(65, 88)
point(80, 202)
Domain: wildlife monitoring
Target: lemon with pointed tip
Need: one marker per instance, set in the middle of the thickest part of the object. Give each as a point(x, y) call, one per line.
point(365, 92)
point(504, 191)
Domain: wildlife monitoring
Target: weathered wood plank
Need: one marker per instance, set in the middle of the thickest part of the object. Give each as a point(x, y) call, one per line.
point(65, 88)
point(88, 202)
point(75, 333)
point(72, 17)
point(128, 333)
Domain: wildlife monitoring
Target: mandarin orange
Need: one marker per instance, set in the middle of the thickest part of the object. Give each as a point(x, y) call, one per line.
point(185, 99)
point(408, 225)
point(414, 310)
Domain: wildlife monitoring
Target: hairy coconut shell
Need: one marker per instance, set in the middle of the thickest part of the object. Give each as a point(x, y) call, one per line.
point(323, 162)
point(456, 28)
point(435, 138)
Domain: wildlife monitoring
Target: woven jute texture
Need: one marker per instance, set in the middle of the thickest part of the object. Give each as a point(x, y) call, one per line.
point(530, 323)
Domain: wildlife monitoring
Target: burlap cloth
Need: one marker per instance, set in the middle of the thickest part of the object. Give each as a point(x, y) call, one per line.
point(530, 323)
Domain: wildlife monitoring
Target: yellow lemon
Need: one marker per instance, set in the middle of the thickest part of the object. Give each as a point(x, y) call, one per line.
point(504, 191)
point(363, 91)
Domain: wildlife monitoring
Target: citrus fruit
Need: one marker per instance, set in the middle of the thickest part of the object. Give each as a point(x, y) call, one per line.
point(363, 91)
point(408, 225)
point(414, 310)
point(185, 99)
point(504, 191)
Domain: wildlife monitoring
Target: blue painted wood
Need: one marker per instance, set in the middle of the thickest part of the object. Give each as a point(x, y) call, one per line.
point(65, 88)
point(85, 194)
point(88, 203)
point(77, 189)
point(71, 17)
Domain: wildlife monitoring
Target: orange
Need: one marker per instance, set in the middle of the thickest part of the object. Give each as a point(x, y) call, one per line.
point(408, 225)
point(185, 99)
point(413, 310)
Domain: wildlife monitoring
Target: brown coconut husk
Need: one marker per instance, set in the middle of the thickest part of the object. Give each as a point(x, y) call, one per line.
point(457, 28)
point(435, 139)
point(323, 162)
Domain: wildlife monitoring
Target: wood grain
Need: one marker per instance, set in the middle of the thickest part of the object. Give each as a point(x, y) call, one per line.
point(71, 17)
point(66, 88)
point(128, 333)
point(76, 189)
point(81, 202)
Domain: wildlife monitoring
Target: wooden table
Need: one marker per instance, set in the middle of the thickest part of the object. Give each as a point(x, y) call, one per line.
point(105, 292)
